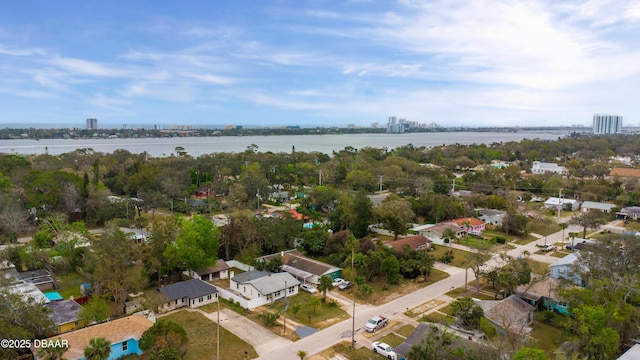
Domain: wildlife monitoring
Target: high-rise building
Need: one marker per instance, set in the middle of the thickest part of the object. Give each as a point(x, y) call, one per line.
point(607, 124)
point(92, 124)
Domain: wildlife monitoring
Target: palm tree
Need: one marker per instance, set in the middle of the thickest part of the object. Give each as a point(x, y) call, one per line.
point(98, 349)
point(563, 226)
point(325, 284)
point(467, 225)
point(302, 354)
point(449, 235)
point(52, 352)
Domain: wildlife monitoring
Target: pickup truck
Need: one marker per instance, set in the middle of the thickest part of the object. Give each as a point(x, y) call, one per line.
point(376, 323)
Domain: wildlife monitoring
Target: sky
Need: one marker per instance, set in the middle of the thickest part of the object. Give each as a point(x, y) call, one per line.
point(319, 63)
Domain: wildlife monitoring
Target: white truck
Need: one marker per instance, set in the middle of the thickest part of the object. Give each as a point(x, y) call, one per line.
point(376, 323)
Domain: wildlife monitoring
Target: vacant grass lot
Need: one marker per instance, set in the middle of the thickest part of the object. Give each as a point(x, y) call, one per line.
point(459, 256)
point(343, 348)
point(549, 335)
point(538, 267)
point(202, 338)
point(325, 316)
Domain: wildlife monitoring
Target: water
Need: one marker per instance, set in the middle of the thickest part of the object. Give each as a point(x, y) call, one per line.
point(196, 146)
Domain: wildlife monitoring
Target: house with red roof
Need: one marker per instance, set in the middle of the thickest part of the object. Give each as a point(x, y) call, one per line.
point(415, 242)
point(471, 225)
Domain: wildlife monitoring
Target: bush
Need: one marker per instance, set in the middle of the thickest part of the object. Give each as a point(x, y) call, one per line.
point(269, 319)
point(500, 239)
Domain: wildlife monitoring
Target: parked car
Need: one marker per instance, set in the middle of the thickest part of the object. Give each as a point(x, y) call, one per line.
point(308, 288)
point(376, 323)
point(337, 281)
point(345, 285)
point(547, 248)
point(384, 350)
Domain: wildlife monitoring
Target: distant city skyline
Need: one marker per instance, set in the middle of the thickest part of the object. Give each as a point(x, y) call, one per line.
point(319, 63)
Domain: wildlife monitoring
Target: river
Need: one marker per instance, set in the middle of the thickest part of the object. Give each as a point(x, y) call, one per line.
point(196, 146)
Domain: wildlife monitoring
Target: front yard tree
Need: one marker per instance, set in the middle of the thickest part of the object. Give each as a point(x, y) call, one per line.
point(164, 334)
point(391, 268)
point(197, 244)
point(98, 349)
point(326, 283)
point(395, 214)
point(589, 220)
point(476, 261)
point(360, 215)
point(468, 312)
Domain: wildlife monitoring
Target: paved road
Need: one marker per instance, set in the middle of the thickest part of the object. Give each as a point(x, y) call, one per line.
point(342, 331)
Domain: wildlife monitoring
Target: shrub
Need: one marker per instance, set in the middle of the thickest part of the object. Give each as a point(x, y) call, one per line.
point(500, 239)
point(269, 319)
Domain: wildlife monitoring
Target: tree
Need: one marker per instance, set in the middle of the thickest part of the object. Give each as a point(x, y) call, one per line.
point(476, 261)
point(448, 235)
point(196, 245)
point(95, 310)
point(360, 215)
point(326, 283)
point(527, 353)
point(302, 354)
point(391, 268)
point(395, 213)
point(468, 312)
point(164, 334)
point(563, 226)
point(51, 352)
point(315, 303)
point(21, 318)
point(98, 349)
point(588, 220)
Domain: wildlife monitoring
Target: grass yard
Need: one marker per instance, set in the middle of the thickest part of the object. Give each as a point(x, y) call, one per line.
point(383, 292)
point(436, 317)
point(343, 348)
point(525, 240)
point(70, 284)
point(202, 338)
point(544, 229)
point(405, 330)
point(392, 339)
point(538, 267)
point(459, 256)
point(327, 315)
point(549, 336)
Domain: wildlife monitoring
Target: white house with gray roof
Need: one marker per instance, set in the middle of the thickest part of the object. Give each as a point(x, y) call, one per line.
point(544, 167)
point(591, 205)
point(192, 293)
point(264, 285)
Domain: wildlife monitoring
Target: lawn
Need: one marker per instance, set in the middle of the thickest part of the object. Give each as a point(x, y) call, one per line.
point(202, 338)
point(436, 317)
point(525, 240)
point(328, 314)
point(549, 335)
point(538, 267)
point(383, 292)
point(405, 330)
point(392, 339)
point(459, 256)
point(70, 284)
point(544, 229)
point(343, 348)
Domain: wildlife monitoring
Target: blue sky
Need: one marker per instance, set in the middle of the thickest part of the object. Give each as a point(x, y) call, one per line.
point(319, 63)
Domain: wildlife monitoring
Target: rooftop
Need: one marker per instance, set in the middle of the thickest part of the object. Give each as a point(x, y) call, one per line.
point(192, 289)
point(63, 311)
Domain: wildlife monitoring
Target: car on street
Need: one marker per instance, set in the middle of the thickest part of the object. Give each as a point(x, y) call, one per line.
point(308, 288)
point(337, 281)
point(384, 350)
point(345, 285)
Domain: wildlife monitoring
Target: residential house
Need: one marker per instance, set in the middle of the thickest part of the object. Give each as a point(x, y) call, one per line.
point(492, 216)
point(280, 196)
point(64, 314)
point(434, 233)
point(303, 268)
point(429, 330)
point(544, 167)
point(555, 203)
point(415, 242)
point(542, 293)
point(220, 270)
point(627, 173)
point(192, 293)
point(204, 192)
point(123, 334)
point(564, 268)
point(591, 205)
point(137, 235)
point(264, 285)
point(41, 278)
point(512, 314)
point(376, 199)
point(27, 290)
point(474, 227)
point(629, 212)
point(632, 354)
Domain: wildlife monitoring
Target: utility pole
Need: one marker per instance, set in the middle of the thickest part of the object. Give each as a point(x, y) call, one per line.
point(380, 177)
point(320, 177)
point(560, 203)
point(218, 331)
point(353, 312)
point(453, 190)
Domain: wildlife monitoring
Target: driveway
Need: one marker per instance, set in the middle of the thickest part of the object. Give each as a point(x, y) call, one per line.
point(260, 338)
